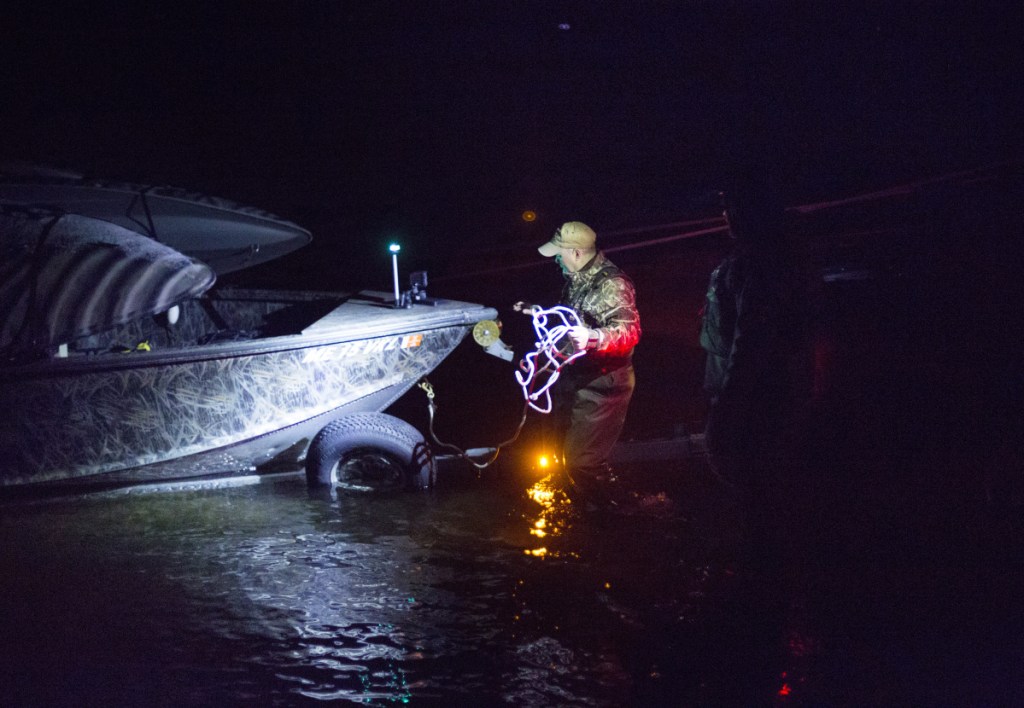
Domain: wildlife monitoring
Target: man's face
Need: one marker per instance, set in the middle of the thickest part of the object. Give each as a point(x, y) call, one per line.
point(569, 260)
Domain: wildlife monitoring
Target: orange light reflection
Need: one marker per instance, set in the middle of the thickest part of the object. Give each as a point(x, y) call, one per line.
point(551, 520)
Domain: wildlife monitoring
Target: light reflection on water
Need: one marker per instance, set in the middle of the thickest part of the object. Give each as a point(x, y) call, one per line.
point(265, 591)
point(498, 592)
point(553, 507)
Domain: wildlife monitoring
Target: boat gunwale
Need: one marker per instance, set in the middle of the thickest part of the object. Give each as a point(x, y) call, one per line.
point(430, 318)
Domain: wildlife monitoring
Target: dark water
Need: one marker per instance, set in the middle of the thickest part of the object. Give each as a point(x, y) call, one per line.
point(487, 591)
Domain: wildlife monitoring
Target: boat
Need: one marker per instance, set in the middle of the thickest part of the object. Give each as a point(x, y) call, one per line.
point(123, 363)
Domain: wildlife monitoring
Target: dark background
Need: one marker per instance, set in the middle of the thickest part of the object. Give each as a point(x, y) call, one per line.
point(440, 123)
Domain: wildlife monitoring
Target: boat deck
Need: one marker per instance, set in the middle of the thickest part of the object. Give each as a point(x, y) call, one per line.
point(369, 313)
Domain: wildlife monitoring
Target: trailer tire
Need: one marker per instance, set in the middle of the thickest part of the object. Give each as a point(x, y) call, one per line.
point(369, 452)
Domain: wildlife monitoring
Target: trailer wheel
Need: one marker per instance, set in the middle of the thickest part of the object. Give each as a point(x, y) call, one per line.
point(369, 452)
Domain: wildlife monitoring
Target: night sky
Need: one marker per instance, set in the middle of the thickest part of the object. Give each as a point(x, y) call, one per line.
point(440, 123)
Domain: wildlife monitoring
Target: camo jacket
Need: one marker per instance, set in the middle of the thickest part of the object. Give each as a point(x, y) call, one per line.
point(605, 299)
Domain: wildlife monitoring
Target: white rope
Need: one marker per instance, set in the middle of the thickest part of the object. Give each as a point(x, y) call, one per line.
point(552, 360)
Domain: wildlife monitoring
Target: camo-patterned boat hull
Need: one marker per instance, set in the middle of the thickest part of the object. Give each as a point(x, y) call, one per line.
point(203, 409)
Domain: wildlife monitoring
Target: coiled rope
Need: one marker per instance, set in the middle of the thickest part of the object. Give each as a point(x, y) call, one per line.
point(545, 365)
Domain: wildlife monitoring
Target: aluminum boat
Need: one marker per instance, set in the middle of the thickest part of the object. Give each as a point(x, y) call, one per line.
point(122, 363)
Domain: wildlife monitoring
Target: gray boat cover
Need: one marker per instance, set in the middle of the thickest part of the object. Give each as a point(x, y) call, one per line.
point(64, 276)
point(223, 234)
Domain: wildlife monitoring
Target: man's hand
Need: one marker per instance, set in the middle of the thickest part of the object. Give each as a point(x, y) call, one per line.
point(582, 336)
point(524, 307)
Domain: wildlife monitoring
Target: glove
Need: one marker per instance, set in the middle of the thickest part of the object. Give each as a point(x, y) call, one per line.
point(583, 337)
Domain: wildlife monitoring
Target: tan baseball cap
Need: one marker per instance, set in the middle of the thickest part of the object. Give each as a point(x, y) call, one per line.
point(572, 234)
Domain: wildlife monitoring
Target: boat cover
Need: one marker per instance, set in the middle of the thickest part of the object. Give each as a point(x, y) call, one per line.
point(64, 276)
point(223, 234)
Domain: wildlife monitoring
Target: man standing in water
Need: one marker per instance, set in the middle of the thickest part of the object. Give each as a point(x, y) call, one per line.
point(755, 331)
point(599, 385)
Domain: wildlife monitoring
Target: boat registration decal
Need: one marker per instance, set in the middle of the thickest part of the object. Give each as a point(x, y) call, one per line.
point(361, 348)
